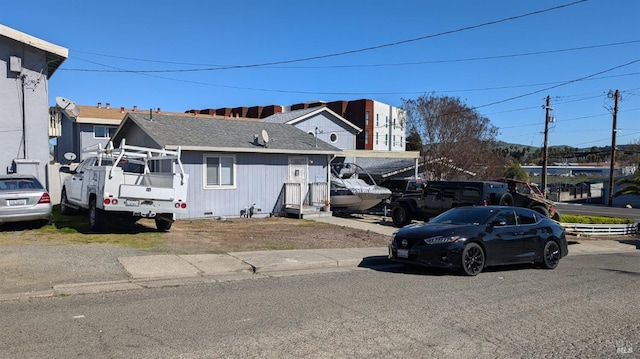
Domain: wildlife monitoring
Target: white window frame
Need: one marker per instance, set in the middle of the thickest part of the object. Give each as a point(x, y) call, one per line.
point(107, 130)
point(331, 137)
point(233, 172)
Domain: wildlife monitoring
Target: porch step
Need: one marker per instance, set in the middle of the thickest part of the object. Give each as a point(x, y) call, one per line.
point(306, 211)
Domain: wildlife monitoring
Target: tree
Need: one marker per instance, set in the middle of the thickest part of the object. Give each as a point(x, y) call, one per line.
point(632, 185)
point(458, 141)
point(515, 171)
point(414, 142)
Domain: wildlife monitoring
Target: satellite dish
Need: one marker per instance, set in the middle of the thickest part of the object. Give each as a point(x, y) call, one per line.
point(66, 104)
point(70, 156)
point(265, 137)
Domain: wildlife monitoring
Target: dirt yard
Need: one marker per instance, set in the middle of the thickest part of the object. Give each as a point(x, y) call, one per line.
point(241, 234)
point(201, 235)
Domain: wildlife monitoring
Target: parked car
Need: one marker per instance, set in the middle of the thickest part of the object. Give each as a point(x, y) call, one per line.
point(23, 199)
point(402, 187)
point(528, 195)
point(470, 238)
point(439, 196)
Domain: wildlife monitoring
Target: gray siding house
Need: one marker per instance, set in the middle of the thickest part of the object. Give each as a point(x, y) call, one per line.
point(26, 65)
point(92, 126)
point(322, 123)
point(230, 166)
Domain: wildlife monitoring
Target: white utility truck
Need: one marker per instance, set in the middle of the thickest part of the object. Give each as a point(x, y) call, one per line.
point(129, 183)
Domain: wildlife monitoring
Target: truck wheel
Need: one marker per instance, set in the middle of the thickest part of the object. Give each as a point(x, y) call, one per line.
point(162, 224)
point(65, 208)
point(505, 200)
point(97, 217)
point(543, 211)
point(401, 215)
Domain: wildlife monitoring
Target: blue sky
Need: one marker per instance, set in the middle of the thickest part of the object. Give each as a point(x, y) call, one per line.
point(487, 53)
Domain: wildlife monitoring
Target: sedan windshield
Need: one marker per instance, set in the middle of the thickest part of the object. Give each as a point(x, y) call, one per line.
point(470, 215)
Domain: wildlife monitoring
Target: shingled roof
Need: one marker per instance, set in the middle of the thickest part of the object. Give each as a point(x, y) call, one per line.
point(208, 134)
point(295, 116)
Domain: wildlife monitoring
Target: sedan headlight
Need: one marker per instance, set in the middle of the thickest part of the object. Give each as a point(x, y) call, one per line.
point(441, 239)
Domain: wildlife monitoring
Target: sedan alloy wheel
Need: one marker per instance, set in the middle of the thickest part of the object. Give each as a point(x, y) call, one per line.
point(472, 259)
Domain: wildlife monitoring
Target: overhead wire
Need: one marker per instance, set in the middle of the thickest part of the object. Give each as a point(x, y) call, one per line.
point(401, 42)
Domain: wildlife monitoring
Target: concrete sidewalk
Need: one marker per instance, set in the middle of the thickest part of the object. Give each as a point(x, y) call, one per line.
point(170, 270)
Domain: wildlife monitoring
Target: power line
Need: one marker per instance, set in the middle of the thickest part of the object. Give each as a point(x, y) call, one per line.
point(559, 85)
point(402, 42)
point(227, 67)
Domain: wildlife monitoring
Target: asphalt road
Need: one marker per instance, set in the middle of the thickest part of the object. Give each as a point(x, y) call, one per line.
point(587, 308)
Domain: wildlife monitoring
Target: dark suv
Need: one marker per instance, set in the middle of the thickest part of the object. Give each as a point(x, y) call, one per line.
point(400, 187)
point(440, 196)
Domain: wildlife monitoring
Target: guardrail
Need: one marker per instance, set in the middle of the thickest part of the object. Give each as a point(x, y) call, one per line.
point(600, 229)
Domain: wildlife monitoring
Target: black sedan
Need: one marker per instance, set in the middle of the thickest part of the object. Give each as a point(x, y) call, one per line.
point(471, 238)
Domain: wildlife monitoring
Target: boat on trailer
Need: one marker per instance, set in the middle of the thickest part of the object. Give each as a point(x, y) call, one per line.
point(350, 192)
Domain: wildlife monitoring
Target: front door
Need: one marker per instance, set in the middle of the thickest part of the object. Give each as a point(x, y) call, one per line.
point(299, 174)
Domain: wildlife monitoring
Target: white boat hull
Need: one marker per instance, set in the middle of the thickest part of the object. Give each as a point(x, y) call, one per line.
point(353, 202)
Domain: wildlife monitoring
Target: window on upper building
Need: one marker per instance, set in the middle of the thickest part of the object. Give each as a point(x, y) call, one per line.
point(366, 137)
point(333, 137)
point(386, 121)
point(103, 131)
point(377, 138)
point(219, 171)
point(366, 118)
point(394, 123)
point(386, 139)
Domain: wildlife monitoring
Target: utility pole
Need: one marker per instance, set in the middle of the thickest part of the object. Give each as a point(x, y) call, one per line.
point(616, 96)
point(545, 149)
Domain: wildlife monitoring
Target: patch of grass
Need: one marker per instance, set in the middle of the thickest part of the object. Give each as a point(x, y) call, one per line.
point(75, 229)
point(584, 219)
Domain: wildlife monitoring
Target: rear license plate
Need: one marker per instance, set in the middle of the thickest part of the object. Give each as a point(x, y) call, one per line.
point(16, 202)
point(403, 253)
point(131, 203)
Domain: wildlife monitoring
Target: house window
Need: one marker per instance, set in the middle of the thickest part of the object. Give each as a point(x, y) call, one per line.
point(377, 120)
point(366, 118)
point(386, 121)
point(376, 138)
point(394, 123)
point(386, 139)
point(333, 137)
point(103, 131)
point(366, 137)
point(312, 133)
point(219, 171)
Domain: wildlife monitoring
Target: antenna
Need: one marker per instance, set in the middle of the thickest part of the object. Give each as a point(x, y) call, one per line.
point(265, 137)
point(66, 104)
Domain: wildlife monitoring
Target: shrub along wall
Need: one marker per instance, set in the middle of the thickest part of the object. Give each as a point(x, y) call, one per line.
point(575, 218)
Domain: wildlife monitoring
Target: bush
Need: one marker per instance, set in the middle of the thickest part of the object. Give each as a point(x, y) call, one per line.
point(583, 219)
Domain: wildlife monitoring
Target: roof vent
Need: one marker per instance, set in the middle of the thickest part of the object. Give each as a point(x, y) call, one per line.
point(135, 108)
point(108, 106)
point(99, 104)
point(121, 109)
